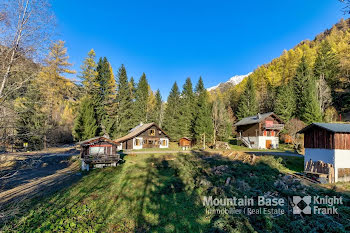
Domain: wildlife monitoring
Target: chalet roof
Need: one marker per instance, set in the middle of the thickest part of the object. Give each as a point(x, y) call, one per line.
point(332, 127)
point(255, 119)
point(91, 141)
point(138, 130)
point(187, 138)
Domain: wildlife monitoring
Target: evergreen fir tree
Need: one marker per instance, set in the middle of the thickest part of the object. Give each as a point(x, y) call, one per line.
point(158, 109)
point(187, 108)
point(124, 103)
point(307, 105)
point(199, 86)
point(132, 87)
point(248, 104)
point(202, 121)
point(141, 101)
point(285, 102)
point(86, 125)
point(327, 64)
point(105, 98)
point(172, 114)
point(32, 121)
point(312, 111)
point(303, 75)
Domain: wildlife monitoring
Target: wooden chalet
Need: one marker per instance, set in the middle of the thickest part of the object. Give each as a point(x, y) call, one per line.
point(185, 143)
point(260, 131)
point(144, 136)
point(327, 150)
point(98, 152)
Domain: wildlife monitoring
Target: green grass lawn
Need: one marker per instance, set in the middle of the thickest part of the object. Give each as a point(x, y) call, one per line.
point(163, 193)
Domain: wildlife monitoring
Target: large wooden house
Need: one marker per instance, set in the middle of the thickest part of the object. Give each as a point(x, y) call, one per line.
point(327, 150)
point(98, 152)
point(144, 136)
point(260, 131)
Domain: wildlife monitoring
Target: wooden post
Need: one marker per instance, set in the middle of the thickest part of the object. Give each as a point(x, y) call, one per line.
point(204, 141)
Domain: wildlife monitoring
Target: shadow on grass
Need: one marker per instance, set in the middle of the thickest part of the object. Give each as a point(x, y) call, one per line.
point(158, 200)
point(163, 193)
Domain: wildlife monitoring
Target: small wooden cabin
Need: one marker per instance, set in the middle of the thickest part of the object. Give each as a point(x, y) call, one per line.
point(260, 131)
point(98, 152)
point(144, 136)
point(328, 143)
point(185, 143)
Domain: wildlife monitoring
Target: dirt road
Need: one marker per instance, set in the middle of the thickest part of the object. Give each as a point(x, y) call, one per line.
point(37, 174)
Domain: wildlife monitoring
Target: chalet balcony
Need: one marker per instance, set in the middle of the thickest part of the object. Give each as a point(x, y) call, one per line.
point(274, 126)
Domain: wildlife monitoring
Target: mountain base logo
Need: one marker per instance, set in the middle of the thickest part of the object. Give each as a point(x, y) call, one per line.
point(316, 204)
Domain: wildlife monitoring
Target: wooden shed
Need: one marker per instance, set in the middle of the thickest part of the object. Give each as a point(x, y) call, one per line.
point(98, 152)
point(328, 143)
point(185, 143)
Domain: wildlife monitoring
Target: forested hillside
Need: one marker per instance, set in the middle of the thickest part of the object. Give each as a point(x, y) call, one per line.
point(41, 106)
point(309, 82)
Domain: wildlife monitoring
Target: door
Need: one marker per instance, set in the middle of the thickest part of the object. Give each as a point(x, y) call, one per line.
point(268, 144)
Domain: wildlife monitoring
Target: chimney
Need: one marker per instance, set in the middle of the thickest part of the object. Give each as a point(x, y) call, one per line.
point(259, 116)
point(141, 123)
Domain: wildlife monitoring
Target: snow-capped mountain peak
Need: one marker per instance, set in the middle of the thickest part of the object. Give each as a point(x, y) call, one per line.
point(233, 81)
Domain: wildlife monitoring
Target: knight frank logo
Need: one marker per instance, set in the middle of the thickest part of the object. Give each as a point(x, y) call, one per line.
point(299, 208)
point(316, 204)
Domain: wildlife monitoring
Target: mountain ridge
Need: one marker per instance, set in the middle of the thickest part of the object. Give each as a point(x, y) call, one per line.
point(233, 81)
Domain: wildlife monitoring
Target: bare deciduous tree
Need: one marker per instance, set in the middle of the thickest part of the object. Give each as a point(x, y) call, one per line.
point(324, 93)
point(292, 127)
point(346, 9)
point(26, 27)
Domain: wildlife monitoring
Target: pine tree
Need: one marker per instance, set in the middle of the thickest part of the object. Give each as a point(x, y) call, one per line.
point(31, 122)
point(85, 126)
point(303, 75)
point(105, 98)
point(312, 112)
point(141, 101)
point(172, 114)
point(248, 104)
point(124, 103)
point(327, 64)
point(157, 110)
point(89, 74)
point(285, 102)
point(202, 121)
point(187, 109)
point(307, 106)
point(132, 87)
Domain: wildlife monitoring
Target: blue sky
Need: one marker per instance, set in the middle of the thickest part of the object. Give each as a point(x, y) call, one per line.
point(173, 40)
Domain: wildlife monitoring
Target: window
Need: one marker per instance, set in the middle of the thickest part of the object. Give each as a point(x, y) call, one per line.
point(164, 142)
point(152, 132)
point(97, 150)
point(272, 133)
point(160, 132)
point(137, 142)
point(150, 142)
point(269, 123)
point(265, 133)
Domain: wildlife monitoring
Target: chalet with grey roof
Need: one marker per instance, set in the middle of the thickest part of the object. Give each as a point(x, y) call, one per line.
point(144, 136)
point(260, 131)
